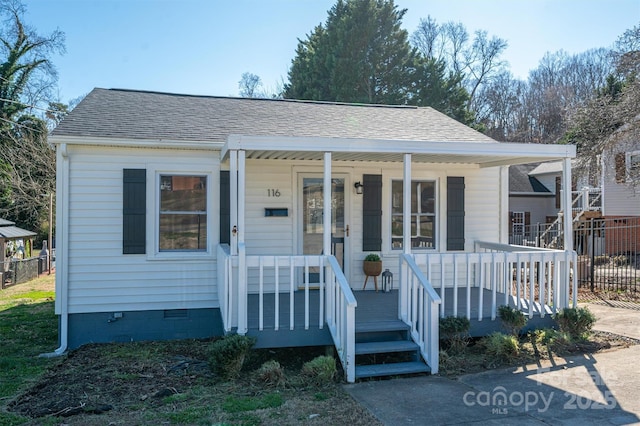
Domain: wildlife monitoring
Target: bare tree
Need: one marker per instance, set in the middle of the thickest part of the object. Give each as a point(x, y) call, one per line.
point(610, 122)
point(250, 85)
point(27, 170)
point(27, 75)
point(476, 59)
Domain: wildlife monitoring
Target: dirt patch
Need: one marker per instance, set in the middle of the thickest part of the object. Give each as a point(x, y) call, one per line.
point(171, 383)
point(623, 297)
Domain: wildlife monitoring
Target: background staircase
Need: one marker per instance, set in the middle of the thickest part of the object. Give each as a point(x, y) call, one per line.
point(385, 348)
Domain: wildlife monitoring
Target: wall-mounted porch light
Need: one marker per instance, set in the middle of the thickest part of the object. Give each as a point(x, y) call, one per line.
point(358, 186)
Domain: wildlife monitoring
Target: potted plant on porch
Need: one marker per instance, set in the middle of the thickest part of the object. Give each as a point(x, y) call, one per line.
point(372, 267)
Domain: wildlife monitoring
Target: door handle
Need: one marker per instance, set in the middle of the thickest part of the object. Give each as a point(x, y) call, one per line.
point(346, 231)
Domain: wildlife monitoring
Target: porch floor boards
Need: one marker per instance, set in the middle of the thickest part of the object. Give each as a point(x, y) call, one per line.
point(372, 307)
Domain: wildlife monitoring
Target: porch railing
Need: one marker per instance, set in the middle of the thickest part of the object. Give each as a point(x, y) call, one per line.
point(587, 199)
point(418, 306)
point(261, 275)
point(341, 316)
point(530, 278)
point(538, 276)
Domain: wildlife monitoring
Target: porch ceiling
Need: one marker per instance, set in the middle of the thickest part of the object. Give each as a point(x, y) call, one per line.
point(482, 154)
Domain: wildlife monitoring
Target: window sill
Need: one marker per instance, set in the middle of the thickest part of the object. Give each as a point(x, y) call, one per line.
point(181, 256)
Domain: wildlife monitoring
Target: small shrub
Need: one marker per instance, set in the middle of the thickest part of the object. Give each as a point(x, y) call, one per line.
point(228, 355)
point(558, 341)
point(620, 260)
point(501, 346)
point(320, 371)
point(576, 322)
point(271, 374)
point(455, 332)
point(601, 260)
point(513, 319)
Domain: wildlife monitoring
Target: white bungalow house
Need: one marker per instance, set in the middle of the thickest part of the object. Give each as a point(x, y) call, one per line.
point(194, 216)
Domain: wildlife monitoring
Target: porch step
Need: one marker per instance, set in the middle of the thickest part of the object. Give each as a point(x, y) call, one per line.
point(381, 326)
point(392, 369)
point(386, 347)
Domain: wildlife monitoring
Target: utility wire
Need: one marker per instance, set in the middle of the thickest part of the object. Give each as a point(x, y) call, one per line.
point(20, 125)
point(26, 105)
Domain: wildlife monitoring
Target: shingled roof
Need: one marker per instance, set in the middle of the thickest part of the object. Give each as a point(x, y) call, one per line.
point(521, 182)
point(128, 114)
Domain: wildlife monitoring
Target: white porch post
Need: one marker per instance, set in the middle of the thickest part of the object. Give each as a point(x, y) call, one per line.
point(403, 296)
point(406, 205)
point(233, 199)
point(241, 195)
point(326, 210)
point(567, 224)
point(504, 205)
point(242, 270)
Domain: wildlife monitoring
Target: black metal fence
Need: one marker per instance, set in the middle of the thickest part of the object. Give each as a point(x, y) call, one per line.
point(20, 271)
point(608, 250)
point(608, 253)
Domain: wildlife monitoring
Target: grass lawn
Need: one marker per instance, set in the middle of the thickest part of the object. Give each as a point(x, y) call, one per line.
point(28, 327)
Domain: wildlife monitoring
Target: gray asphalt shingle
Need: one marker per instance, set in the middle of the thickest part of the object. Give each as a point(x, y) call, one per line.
point(129, 114)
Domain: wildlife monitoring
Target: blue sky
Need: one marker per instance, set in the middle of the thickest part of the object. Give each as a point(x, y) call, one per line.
point(204, 46)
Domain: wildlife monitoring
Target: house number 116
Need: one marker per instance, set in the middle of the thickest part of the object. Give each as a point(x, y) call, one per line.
point(273, 192)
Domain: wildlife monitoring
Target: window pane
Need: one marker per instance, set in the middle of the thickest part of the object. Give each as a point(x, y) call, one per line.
point(183, 208)
point(183, 193)
point(427, 195)
point(414, 197)
point(396, 197)
point(423, 210)
point(426, 226)
point(396, 226)
point(183, 232)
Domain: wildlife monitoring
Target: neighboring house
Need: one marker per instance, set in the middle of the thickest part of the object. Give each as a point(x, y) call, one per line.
point(621, 189)
point(530, 203)
point(193, 216)
point(621, 175)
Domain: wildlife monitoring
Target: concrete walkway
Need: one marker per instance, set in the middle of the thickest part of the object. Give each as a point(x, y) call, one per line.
point(600, 389)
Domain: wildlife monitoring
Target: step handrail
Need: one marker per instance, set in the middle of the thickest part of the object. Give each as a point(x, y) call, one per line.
point(419, 307)
point(340, 315)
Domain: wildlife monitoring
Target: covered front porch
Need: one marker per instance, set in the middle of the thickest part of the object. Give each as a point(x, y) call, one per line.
point(297, 299)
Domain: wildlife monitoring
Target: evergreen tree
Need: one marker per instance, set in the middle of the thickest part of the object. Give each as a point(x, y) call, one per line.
point(362, 55)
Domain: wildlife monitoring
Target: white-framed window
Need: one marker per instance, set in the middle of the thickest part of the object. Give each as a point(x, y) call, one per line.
point(633, 164)
point(182, 224)
point(423, 214)
point(518, 224)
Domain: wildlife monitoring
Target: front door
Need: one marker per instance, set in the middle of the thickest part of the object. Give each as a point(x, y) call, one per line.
point(312, 222)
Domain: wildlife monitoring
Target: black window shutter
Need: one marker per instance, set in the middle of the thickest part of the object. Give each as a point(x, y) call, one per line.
point(225, 208)
point(455, 213)
point(621, 167)
point(134, 209)
point(372, 213)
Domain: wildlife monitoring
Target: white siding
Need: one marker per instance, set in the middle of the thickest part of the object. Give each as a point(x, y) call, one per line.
point(539, 207)
point(279, 235)
point(100, 277)
point(618, 199)
point(549, 180)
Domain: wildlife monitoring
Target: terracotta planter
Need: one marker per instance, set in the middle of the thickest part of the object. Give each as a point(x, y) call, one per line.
point(372, 269)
